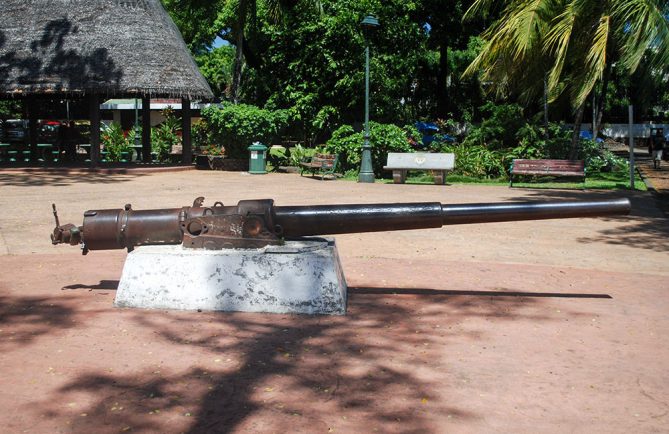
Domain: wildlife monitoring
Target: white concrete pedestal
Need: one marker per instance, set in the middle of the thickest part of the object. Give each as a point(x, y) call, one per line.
point(299, 277)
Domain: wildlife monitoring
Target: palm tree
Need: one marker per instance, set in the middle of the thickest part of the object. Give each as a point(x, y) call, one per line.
point(574, 43)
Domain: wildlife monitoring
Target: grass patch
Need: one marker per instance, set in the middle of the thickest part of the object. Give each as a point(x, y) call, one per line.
point(595, 181)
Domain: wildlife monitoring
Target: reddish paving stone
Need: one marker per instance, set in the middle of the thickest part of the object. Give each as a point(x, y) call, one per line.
point(516, 327)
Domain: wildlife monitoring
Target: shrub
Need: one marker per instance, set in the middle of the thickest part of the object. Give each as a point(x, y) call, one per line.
point(477, 161)
point(555, 142)
point(277, 156)
point(165, 135)
point(599, 159)
point(500, 127)
point(201, 135)
point(384, 138)
point(236, 127)
point(213, 150)
point(297, 153)
point(114, 141)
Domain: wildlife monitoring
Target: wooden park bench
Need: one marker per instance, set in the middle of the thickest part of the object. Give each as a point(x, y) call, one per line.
point(557, 168)
point(323, 164)
point(401, 163)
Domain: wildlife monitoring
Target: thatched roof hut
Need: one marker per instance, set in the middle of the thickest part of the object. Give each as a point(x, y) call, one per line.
point(96, 49)
point(109, 48)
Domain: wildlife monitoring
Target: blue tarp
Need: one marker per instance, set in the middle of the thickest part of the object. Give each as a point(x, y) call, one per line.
point(428, 130)
point(426, 127)
point(586, 135)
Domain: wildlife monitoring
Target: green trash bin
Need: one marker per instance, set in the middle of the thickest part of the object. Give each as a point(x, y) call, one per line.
point(257, 158)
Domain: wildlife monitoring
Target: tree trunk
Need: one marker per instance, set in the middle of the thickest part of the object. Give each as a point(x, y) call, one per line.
point(239, 52)
point(442, 77)
point(546, 103)
point(597, 125)
point(576, 135)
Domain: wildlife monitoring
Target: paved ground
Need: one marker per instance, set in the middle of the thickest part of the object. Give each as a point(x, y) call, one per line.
point(546, 326)
point(657, 178)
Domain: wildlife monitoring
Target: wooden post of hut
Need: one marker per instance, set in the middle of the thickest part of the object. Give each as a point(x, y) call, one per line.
point(94, 115)
point(146, 129)
point(31, 106)
point(187, 153)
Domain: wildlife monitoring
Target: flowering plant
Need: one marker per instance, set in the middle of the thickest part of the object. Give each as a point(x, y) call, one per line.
point(213, 150)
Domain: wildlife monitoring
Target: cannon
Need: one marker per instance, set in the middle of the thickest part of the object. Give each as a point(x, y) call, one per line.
point(258, 257)
point(259, 223)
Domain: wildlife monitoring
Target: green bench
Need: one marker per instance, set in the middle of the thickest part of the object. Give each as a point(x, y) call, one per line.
point(322, 164)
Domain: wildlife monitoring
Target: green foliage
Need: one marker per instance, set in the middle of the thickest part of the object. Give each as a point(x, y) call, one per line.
point(554, 142)
point(598, 159)
point(277, 156)
point(298, 154)
point(236, 127)
point(213, 150)
point(201, 134)
point(11, 109)
point(307, 57)
point(198, 21)
point(570, 43)
point(165, 135)
point(537, 141)
point(314, 65)
point(216, 66)
point(477, 161)
point(499, 128)
point(384, 138)
point(489, 148)
point(115, 142)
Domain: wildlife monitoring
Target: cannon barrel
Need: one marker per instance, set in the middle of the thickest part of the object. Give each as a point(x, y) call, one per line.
point(258, 222)
point(341, 219)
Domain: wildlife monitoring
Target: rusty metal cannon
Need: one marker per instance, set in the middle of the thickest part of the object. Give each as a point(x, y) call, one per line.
point(257, 257)
point(258, 223)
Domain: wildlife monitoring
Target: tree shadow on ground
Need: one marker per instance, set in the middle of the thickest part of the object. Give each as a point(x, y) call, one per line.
point(645, 228)
point(24, 319)
point(294, 373)
point(61, 178)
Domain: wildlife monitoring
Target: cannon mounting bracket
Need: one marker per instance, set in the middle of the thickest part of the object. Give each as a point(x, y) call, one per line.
point(249, 225)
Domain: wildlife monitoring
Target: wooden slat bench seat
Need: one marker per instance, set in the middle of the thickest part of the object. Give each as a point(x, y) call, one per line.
point(557, 168)
point(400, 163)
point(323, 164)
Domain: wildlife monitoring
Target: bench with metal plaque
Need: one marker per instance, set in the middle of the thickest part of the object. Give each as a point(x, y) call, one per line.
point(438, 164)
point(557, 168)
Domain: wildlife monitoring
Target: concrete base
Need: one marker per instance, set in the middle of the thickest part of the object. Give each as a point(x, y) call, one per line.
point(299, 277)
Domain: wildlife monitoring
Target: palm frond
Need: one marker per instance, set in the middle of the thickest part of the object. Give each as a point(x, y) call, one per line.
point(557, 42)
point(642, 25)
point(527, 27)
point(274, 10)
point(595, 62)
point(479, 7)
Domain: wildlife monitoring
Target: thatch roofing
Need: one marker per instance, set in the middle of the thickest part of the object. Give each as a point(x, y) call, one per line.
point(106, 47)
